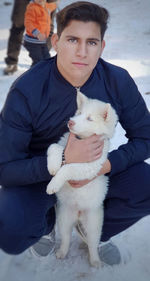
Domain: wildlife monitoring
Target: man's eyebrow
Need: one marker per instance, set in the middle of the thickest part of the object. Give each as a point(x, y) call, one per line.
point(75, 37)
point(72, 36)
point(94, 39)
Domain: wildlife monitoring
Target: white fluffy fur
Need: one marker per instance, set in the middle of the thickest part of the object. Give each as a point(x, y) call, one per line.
point(82, 204)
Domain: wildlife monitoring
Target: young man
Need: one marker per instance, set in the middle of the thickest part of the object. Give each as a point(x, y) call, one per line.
point(34, 116)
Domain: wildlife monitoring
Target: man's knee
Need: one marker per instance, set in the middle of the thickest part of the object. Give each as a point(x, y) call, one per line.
point(21, 222)
point(12, 223)
point(128, 199)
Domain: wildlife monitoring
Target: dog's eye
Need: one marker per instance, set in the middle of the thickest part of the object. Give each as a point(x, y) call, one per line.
point(89, 118)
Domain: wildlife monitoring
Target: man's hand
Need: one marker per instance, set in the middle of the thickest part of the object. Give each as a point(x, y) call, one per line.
point(78, 184)
point(83, 150)
point(105, 169)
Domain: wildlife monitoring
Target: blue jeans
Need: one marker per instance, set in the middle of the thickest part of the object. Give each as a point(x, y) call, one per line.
point(27, 213)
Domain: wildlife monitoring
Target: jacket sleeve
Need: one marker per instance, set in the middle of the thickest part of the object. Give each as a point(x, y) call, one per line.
point(135, 119)
point(16, 166)
point(52, 6)
point(30, 19)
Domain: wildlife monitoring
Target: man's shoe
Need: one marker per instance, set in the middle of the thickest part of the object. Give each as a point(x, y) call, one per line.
point(44, 246)
point(108, 251)
point(10, 69)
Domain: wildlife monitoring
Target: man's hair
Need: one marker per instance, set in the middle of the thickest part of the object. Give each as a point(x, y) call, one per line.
point(82, 11)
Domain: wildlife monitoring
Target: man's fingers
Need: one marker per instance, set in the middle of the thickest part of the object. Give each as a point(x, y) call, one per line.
point(98, 146)
point(71, 136)
point(94, 138)
point(78, 184)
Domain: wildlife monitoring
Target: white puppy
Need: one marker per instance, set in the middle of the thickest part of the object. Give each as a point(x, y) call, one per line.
point(83, 204)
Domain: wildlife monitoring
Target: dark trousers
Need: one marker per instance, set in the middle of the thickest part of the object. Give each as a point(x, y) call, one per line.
point(27, 213)
point(128, 199)
point(16, 31)
point(37, 52)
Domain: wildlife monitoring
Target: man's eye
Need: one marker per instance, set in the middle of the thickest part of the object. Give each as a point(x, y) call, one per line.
point(92, 43)
point(89, 118)
point(72, 40)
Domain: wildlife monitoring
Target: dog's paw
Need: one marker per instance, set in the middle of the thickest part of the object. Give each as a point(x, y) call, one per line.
point(54, 158)
point(51, 189)
point(52, 171)
point(60, 254)
point(54, 186)
point(52, 166)
point(95, 263)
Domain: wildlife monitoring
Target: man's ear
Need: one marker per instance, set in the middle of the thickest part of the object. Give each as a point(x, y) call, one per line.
point(102, 46)
point(54, 41)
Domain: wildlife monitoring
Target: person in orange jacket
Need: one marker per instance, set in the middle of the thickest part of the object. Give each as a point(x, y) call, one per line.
point(37, 24)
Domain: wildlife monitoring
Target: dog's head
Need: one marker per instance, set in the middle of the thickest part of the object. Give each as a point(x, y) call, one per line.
point(92, 117)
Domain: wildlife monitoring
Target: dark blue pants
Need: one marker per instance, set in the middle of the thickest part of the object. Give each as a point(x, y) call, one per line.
point(27, 213)
point(37, 52)
point(128, 199)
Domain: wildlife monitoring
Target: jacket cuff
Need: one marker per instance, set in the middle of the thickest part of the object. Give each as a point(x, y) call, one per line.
point(35, 32)
point(45, 175)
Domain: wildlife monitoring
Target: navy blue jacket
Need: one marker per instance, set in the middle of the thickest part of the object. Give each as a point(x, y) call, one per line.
point(38, 107)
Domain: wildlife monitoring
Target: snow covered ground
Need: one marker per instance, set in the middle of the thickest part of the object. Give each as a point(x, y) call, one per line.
point(127, 45)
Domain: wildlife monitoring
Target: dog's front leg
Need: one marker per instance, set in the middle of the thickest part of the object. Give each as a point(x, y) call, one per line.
point(93, 226)
point(58, 180)
point(54, 158)
point(74, 171)
point(65, 219)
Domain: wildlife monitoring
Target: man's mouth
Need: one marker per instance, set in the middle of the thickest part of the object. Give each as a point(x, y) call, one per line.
point(80, 64)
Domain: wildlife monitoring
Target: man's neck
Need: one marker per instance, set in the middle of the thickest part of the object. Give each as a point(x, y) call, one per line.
point(77, 83)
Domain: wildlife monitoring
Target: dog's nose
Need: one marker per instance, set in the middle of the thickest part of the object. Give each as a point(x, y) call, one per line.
point(71, 123)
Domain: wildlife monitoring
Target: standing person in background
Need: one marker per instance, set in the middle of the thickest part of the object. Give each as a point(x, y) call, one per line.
point(37, 23)
point(16, 34)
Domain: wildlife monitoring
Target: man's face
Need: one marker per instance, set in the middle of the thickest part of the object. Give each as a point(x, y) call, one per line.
point(78, 50)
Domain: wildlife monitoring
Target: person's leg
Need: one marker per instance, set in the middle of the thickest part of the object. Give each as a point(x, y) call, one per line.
point(127, 201)
point(16, 32)
point(14, 45)
point(45, 52)
point(26, 214)
point(35, 51)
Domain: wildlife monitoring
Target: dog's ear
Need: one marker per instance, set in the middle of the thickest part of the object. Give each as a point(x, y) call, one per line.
point(81, 99)
point(107, 112)
point(110, 118)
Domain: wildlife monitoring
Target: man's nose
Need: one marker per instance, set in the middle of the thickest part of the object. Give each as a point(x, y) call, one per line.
point(71, 123)
point(82, 49)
